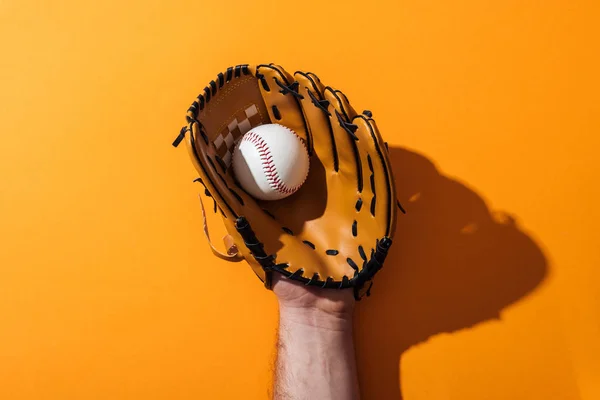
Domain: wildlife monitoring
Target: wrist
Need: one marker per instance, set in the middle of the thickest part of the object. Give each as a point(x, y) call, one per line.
point(315, 318)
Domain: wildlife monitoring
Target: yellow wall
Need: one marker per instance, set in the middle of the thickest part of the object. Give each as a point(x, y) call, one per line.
point(108, 289)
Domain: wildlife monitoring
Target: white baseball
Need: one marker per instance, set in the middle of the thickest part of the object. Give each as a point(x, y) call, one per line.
point(270, 162)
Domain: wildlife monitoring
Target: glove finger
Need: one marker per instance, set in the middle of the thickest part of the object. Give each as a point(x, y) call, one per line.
point(350, 164)
point(202, 155)
point(314, 106)
point(378, 193)
point(282, 99)
point(394, 204)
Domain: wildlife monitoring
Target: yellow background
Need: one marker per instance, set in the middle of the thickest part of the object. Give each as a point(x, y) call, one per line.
point(108, 289)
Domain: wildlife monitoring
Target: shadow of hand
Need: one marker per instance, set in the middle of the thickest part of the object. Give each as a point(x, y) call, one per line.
point(453, 264)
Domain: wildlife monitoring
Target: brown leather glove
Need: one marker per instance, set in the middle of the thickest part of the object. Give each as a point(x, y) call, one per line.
point(336, 230)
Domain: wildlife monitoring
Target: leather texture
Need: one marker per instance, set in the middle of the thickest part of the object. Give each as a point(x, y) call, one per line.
point(336, 230)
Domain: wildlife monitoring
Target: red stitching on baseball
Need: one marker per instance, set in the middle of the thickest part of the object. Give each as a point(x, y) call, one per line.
point(268, 164)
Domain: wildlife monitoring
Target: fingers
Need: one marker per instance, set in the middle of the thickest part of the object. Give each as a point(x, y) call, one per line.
point(281, 96)
point(316, 113)
point(341, 114)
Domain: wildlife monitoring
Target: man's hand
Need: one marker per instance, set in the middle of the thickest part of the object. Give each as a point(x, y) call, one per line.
point(315, 357)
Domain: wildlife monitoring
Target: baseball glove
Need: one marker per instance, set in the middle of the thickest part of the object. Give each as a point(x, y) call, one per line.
point(336, 230)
